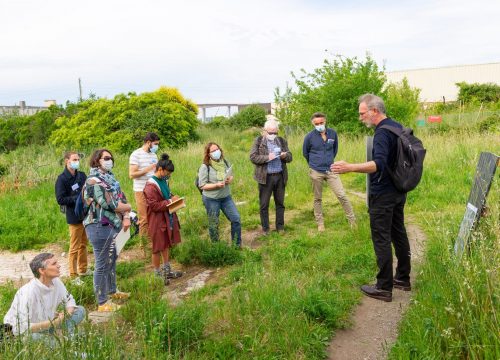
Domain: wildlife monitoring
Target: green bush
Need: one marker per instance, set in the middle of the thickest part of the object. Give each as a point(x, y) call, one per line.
point(478, 93)
point(218, 122)
point(251, 116)
point(490, 124)
point(401, 102)
point(198, 251)
point(333, 89)
point(120, 123)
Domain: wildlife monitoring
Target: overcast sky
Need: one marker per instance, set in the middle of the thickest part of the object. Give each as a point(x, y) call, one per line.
point(224, 51)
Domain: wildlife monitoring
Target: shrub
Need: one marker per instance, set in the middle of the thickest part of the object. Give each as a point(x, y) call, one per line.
point(478, 93)
point(333, 89)
point(218, 122)
point(251, 116)
point(490, 124)
point(120, 123)
point(401, 102)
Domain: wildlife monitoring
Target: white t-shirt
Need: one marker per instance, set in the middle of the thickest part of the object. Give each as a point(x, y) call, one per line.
point(34, 302)
point(143, 159)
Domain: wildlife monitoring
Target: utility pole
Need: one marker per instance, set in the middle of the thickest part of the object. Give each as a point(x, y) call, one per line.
point(80, 87)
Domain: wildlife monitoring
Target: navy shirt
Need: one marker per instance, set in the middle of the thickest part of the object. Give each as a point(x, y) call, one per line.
point(318, 152)
point(68, 187)
point(384, 154)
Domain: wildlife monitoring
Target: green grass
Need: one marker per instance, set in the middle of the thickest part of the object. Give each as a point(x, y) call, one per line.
point(285, 299)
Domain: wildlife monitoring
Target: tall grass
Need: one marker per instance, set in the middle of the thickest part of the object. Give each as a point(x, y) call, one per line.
point(285, 299)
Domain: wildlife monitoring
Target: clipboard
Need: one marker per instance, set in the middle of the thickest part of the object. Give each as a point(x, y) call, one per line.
point(121, 239)
point(176, 205)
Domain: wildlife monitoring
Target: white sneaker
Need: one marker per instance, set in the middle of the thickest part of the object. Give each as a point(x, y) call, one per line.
point(87, 273)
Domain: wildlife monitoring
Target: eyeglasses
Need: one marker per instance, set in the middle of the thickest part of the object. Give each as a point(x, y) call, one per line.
point(107, 158)
point(272, 133)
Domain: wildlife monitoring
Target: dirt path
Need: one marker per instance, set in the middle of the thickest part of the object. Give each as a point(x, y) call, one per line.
point(375, 323)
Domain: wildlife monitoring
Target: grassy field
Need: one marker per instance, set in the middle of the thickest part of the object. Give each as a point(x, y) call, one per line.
point(285, 299)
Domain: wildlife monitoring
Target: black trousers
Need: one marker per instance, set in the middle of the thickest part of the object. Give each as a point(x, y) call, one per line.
point(387, 226)
point(275, 186)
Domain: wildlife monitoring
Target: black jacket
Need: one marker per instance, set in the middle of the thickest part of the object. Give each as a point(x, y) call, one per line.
point(68, 187)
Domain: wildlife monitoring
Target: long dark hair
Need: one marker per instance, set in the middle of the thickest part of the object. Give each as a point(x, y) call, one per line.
point(165, 163)
point(206, 155)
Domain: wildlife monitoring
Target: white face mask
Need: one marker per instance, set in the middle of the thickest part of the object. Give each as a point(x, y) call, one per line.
point(271, 137)
point(74, 165)
point(320, 128)
point(106, 164)
point(215, 155)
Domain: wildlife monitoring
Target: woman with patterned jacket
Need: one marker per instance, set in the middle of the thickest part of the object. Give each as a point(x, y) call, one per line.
point(108, 214)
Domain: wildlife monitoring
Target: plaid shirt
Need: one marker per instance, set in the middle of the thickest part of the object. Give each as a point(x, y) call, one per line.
point(273, 166)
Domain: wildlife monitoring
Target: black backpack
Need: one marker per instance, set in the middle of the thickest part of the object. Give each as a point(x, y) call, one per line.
point(409, 164)
point(197, 180)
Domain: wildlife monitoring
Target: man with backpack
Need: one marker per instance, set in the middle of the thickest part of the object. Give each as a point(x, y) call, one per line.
point(386, 202)
point(68, 187)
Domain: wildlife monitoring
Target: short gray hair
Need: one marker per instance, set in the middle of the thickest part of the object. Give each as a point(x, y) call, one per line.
point(373, 102)
point(272, 124)
point(38, 263)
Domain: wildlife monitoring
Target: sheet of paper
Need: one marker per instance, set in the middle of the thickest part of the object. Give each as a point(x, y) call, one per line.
point(121, 239)
point(229, 172)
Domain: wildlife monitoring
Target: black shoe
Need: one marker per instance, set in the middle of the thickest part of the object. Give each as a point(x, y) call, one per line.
point(171, 274)
point(379, 294)
point(401, 285)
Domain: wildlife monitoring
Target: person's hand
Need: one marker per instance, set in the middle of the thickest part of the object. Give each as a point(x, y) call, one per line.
point(220, 184)
point(126, 224)
point(282, 155)
point(59, 319)
point(151, 167)
point(175, 198)
point(229, 180)
point(340, 167)
point(272, 156)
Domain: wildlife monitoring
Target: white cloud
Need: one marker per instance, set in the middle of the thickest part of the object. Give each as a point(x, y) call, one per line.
point(224, 51)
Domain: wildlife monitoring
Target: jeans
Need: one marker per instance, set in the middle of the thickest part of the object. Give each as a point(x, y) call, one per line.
point(68, 326)
point(102, 238)
point(214, 206)
point(387, 226)
point(274, 185)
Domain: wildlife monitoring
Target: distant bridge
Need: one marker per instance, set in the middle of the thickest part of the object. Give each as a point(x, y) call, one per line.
point(204, 107)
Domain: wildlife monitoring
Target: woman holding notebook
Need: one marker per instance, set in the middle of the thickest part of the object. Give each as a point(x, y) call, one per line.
point(164, 227)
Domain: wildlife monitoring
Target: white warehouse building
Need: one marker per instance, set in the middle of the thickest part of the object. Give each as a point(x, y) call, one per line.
point(438, 84)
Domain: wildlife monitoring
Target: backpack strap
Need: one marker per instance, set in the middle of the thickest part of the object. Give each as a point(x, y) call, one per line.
point(393, 129)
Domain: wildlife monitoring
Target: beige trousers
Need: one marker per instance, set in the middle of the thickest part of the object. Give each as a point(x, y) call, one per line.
point(77, 256)
point(142, 212)
point(335, 184)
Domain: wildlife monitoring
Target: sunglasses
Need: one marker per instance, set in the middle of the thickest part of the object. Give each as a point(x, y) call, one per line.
point(272, 133)
point(107, 158)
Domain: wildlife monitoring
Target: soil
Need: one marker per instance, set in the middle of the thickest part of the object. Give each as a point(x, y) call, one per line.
point(375, 323)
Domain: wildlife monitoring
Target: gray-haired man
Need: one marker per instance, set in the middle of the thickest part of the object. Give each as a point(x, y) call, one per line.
point(35, 307)
point(270, 154)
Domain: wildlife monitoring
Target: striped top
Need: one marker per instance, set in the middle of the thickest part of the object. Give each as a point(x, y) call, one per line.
point(143, 159)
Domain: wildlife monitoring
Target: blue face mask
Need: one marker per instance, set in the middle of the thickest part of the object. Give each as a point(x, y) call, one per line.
point(320, 128)
point(154, 148)
point(74, 165)
point(215, 155)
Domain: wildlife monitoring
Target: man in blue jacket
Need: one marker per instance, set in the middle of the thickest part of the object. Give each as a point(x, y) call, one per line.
point(68, 186)
point(320, 148)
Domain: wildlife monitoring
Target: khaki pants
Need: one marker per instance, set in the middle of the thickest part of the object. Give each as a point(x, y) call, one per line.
point(77, 249)
point(333, 181)
point(142, 212)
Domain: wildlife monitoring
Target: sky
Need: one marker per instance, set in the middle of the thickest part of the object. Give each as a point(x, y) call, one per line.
point(223, 51)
